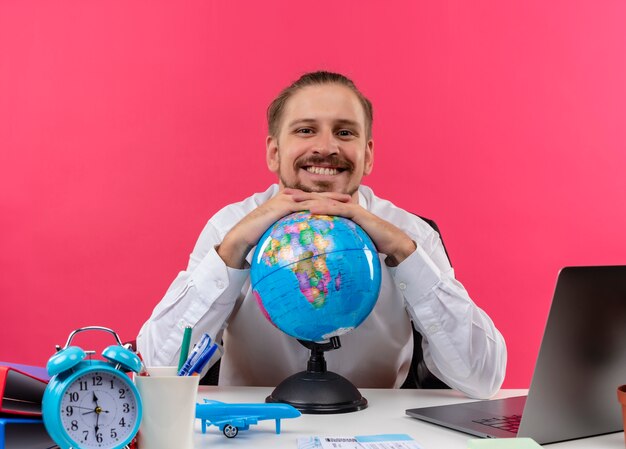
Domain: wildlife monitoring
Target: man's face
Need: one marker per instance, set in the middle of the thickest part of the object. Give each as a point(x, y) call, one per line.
point(322, 144)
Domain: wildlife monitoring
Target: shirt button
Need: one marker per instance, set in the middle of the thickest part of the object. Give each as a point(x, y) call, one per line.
point(433, 328)
point(402, 286)
point(220, 285)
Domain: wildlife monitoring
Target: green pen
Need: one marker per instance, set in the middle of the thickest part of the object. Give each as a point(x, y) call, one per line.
point(184, 349)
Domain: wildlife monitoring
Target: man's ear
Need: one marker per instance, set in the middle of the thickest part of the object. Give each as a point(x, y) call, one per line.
point(369, 157)
point(271, 154)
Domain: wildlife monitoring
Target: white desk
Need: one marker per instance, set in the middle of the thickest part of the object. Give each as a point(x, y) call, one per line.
point(384, 414)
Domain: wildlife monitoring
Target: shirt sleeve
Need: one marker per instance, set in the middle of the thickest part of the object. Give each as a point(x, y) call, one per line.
point(203, 296)
point(461, 345)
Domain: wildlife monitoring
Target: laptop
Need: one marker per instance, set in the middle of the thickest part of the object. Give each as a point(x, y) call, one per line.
point(582, 361)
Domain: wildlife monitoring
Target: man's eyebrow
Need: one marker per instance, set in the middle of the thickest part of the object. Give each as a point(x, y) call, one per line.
point(303, 121)
point(340, 122)
point(348, 122)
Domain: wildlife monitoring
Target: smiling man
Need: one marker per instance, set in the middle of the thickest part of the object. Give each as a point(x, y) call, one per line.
point(320, 146)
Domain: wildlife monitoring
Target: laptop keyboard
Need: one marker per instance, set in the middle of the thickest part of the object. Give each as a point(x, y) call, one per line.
point(508, 423)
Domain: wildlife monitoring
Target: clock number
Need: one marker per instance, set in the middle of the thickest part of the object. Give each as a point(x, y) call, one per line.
point(122, 423)
point(99, 437)
point(83, 385)
point(122, 393)
point(126, 407)
point(74, 425)
point(86, 434)
point(97, 381)
point(112, 385)
point(113, 433)
point(73, 396)
point(69, 410)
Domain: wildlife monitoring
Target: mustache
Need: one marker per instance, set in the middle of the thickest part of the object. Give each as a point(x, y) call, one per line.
point(333, 160)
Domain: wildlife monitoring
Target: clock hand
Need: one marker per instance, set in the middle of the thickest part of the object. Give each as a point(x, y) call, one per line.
point(97, 419)
point(86, 408)
point(96, 410)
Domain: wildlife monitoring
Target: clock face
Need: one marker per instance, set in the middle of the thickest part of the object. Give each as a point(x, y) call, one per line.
point(99, 409)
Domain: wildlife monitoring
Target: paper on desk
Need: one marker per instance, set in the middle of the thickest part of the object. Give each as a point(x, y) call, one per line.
point(391, 441)
point(328, 443)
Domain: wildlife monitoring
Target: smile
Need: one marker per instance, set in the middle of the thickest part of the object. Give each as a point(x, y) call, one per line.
point(328, 171)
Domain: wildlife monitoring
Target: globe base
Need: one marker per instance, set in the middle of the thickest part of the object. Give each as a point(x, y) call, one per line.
point(316, 390)
point(319, 393)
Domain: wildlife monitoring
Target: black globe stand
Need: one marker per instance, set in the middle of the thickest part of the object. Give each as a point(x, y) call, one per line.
point(317, 390)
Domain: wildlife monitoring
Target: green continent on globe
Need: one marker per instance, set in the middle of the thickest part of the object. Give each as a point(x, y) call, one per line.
point(308, 244)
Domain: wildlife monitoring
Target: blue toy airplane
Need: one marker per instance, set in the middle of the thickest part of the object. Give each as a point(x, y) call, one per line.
point(231, 418)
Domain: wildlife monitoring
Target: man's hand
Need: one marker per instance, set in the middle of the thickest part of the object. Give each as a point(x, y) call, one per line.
point(246, 234)
point(388, 238)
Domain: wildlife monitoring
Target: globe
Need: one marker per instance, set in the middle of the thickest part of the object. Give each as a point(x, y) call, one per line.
point(315, 276)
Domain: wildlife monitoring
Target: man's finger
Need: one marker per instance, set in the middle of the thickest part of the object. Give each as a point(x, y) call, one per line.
point(305, 196)
point(343, 197)
point(326, 207)
point(290, 191)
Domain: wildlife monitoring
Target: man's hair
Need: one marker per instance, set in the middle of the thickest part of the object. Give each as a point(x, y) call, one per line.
point(277, 107)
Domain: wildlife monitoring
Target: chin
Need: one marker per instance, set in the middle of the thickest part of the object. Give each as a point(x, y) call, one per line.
point(319, 187)
point(316, 188)
point(324, 187)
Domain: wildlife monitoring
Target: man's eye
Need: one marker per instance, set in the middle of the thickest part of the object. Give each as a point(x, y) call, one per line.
point(345, 133)
point(304, 131)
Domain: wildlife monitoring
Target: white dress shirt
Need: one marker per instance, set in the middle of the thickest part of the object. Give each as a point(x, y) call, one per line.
point(461, 345)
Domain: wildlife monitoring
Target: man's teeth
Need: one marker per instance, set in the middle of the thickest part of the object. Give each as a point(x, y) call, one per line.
point(322, 170)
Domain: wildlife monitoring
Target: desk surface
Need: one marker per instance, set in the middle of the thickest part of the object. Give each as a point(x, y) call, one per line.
point(385, 414)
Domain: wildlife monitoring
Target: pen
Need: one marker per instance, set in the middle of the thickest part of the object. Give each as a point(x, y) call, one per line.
point(197, 350)
point(202, 360)
point(142, 371)
point(184, 349)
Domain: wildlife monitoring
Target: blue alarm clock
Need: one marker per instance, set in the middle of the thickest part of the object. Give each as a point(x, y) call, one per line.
point(92, 403)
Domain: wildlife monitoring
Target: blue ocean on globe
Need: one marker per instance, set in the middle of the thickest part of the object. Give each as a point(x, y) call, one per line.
point(315, 276)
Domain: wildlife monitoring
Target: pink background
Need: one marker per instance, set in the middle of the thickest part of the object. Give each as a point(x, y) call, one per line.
point(125, 125)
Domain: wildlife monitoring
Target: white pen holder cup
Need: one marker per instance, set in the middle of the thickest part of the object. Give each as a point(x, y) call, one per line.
point(169, 409)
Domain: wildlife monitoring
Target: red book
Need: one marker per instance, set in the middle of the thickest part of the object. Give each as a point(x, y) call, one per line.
point(20, 391)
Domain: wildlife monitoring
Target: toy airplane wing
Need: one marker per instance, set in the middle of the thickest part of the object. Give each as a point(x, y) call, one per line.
point(231, 425)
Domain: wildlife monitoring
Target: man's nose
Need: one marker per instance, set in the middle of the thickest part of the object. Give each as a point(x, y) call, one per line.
point(326, 143)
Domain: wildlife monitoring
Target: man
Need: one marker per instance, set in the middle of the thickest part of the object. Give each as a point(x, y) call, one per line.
point(320, 146)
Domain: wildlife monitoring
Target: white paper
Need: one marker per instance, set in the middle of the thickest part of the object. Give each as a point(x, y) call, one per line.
point(360, 442)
